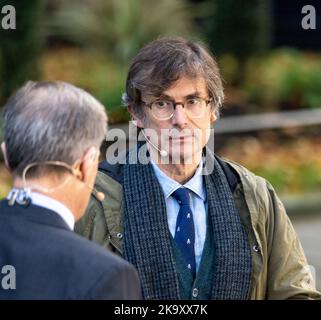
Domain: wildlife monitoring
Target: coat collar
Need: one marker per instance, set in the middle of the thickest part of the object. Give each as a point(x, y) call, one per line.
point(34, 213)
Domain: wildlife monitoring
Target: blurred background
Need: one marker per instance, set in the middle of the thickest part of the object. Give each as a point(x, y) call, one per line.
point(271, 120)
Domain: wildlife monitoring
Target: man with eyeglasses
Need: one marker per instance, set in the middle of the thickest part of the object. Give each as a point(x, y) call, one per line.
point(194, 225)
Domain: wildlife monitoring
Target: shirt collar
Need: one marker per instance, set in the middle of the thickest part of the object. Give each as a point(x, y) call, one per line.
point(41, 200)
point(169, 185)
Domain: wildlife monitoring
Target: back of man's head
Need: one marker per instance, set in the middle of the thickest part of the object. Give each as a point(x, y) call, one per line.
point(50, 121)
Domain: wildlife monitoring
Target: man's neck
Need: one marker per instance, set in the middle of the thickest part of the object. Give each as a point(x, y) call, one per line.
point(180, 173)
point(61, 194)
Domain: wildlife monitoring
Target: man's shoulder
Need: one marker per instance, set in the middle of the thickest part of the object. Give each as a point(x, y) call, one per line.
point(99, 213)
point(258, 192)
point(109, 179)
point(114, 171)
point(245, 175)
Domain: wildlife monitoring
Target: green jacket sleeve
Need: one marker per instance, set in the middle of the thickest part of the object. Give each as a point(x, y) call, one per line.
point(288, 275)
point(102, 221)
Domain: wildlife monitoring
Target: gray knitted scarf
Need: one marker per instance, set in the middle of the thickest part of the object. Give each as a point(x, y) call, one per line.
point(147, 243)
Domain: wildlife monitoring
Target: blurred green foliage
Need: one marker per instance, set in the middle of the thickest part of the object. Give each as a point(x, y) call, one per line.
point(119, 28)
point(92, 70)
point(237, 28)
point(20, 48)
point(304, 178)
point(116, 29)
point(292, 166)
point(5, 187)
point(1, 138)
point(240, 28)
point(284, 79)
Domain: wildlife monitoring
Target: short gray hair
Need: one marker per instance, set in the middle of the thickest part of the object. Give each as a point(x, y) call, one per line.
point(55, 120)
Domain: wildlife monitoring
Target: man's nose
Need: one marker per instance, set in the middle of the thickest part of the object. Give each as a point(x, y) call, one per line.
point(179, 116)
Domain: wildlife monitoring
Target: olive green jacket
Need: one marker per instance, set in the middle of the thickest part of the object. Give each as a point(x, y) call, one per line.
point(279, 266)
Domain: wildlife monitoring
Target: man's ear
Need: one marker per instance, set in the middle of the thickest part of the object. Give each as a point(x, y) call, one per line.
point(213, 116)
point(88, 165)
point(138, 120)
point(5, 156)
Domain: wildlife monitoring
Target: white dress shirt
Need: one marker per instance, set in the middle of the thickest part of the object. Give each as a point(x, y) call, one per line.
point(41, 200)
point(197, 204)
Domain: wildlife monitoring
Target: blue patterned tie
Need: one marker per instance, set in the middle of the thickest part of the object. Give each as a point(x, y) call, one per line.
point(184, 233)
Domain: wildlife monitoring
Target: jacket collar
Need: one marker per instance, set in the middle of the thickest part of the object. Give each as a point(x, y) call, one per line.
point(34, 213)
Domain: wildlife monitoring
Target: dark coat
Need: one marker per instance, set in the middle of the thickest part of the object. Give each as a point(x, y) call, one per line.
point(52, 262)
